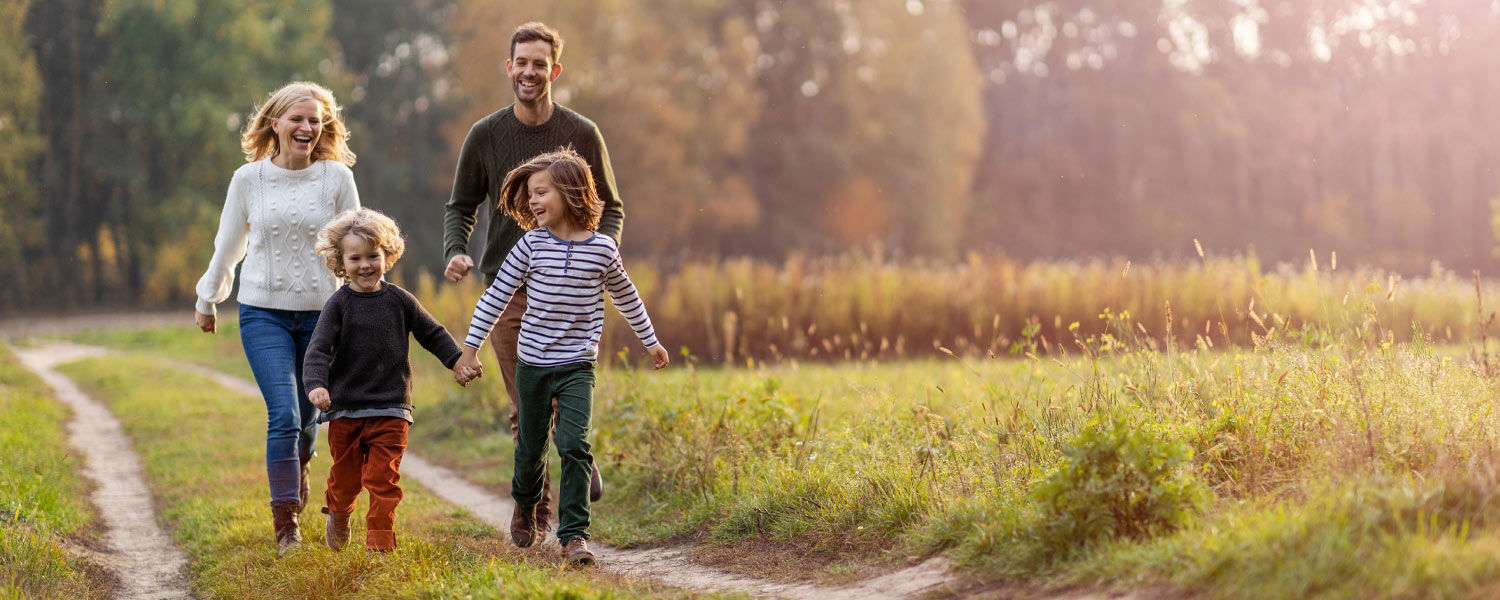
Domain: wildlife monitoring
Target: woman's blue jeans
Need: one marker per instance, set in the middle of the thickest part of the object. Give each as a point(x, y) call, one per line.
point(275, 342)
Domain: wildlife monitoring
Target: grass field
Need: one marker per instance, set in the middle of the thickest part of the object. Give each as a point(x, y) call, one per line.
point(45, 518)
point(1348, 456)
point(207, 469)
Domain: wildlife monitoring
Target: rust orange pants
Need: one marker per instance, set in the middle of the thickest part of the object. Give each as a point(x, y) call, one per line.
point(367, 454)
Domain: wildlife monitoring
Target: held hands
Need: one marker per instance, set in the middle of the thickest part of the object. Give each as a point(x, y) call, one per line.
point(458, 267)
point(659, 356)
point(208, 323)
point(463, 375)
point(467, 368)
point(319, 398)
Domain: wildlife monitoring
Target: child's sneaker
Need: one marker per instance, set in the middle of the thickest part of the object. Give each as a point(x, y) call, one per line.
point(375, 554)
point(336, 534)
point(576, 553)
point(523, 530)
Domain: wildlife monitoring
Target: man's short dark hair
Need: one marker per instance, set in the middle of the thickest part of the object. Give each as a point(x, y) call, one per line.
point(537, 31)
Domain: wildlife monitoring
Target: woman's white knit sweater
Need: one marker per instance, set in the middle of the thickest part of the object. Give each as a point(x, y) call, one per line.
point(271, 220)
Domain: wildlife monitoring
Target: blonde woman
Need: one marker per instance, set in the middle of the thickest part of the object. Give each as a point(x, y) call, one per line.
point(297, 178)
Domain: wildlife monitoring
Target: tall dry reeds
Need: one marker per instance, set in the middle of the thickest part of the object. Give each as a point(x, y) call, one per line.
point(861, 307)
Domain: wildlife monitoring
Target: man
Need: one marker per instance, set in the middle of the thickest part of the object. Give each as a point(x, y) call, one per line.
point(502, 141)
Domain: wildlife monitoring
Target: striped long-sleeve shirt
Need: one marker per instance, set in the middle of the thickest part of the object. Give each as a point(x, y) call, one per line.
point(565, 284)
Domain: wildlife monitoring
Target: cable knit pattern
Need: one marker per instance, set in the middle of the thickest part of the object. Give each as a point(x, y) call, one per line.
point(271, 220)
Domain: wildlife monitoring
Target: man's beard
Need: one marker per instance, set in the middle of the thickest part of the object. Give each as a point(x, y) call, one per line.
point(543, 92)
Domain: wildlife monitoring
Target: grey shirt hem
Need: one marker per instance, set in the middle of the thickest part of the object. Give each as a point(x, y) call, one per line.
point(365, 413)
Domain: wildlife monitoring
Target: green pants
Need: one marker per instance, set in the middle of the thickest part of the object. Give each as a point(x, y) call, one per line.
point(573, 387)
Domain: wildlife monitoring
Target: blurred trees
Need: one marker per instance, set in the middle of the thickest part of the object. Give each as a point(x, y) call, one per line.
point(178, 82)
point(753, 126)
point(20, 143)
point(1037, 128)
point(1133, 127)
point(396, 62)
point(143, 101)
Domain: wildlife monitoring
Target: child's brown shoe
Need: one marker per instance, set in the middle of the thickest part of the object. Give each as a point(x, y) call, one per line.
point(523, 530)
point(576, 553)
point(336, 534)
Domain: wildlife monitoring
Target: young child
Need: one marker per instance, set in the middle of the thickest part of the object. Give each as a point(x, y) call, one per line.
point(566, 267)
point(358, 372)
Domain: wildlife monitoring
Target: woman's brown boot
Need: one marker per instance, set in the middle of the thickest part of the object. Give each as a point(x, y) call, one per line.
point(288, 532)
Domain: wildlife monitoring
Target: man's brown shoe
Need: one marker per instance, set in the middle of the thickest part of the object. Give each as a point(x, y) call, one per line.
point(544, 515)
point(336, 535)
point(596, 484)
point(523, 529)
point(304, 489)
point(576, 553)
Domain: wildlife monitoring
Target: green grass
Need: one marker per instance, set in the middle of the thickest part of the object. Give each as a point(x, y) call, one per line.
point(1325, 460)
point(44, 515)
point(203, 450)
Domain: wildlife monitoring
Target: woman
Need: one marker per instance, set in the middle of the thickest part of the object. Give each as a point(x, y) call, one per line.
point(297, 178)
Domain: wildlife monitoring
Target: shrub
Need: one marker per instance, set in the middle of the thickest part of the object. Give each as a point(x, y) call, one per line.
point(1116, 479)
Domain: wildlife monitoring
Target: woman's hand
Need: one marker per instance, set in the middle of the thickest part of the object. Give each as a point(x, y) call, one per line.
point(208, 323)
point(659, 356)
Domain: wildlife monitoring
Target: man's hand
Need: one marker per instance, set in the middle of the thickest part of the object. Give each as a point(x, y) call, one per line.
point(659, 356)
point(319, 398)
point(458, 267)
point(208, 323)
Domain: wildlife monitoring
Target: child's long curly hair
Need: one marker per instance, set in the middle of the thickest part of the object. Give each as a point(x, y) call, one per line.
point(377, 230)
point(570, 173)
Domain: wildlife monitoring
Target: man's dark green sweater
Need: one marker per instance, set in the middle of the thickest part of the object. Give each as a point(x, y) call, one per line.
point(499, 143)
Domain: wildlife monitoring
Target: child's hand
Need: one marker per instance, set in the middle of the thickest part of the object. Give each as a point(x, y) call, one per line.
point(463, 375)
point(659, 356)
point(468, 367)
point(319, 398)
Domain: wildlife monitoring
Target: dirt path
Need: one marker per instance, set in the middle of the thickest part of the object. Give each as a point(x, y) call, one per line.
point(667, 565)
point(146, 561)
point(22, 327)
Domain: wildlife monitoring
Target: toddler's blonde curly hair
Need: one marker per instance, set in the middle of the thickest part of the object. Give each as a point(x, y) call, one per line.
point(377, 230)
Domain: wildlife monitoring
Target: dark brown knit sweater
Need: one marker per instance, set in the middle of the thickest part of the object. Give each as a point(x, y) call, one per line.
point(500, 142)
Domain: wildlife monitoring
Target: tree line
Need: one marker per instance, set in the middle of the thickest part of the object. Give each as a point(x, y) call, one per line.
point(921, 128)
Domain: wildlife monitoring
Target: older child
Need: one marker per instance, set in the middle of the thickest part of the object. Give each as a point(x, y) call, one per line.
point(566, 267)
point(359, 373)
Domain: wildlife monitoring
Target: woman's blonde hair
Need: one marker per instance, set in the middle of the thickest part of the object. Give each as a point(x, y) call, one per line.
point(377, 230)
point(570, 173)
point(259, 140)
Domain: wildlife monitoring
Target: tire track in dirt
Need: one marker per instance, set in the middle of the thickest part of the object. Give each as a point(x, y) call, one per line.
point(667, 565)
point(147, 563)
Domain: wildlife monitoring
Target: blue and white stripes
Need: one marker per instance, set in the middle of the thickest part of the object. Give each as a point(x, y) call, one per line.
point(565, 283)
